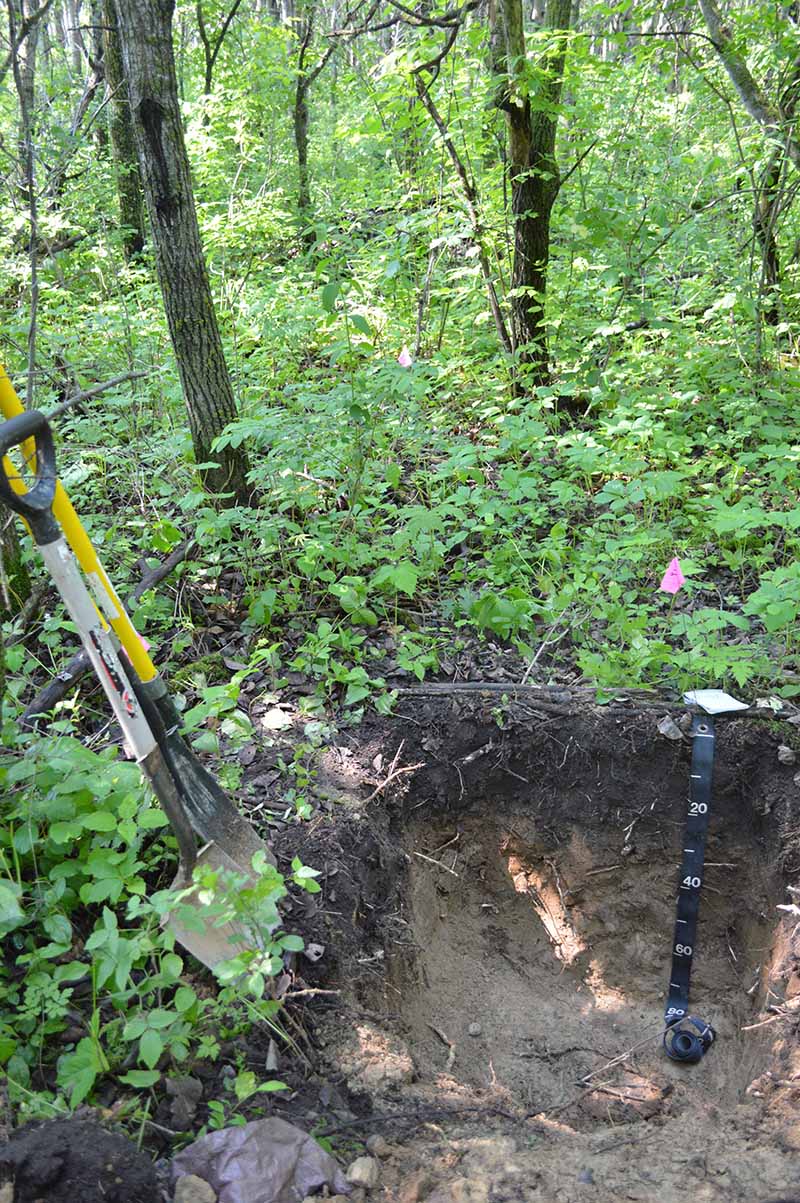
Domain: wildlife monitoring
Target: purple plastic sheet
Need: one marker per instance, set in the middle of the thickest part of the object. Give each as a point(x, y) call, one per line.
point(266, 1161)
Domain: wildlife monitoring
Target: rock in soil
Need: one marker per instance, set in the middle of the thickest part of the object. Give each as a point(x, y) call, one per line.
point(365, 1171)
point(375, 1060)
point(378, 1146)
point(65, 1160)
point(191, 1189)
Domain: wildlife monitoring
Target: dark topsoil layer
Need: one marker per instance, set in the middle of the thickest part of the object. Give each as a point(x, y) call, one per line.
point(76, 1161)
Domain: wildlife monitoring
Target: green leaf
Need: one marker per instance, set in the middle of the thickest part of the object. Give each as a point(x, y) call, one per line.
point(11, 913)
point(292, 943)
point(206, 741)
point(8, 1045)
point(185, 998)
point(244, 1085)
point(99, 820)
point(161, 1018)
point(172, 966)
point(405, 578)
point(151, 1046)
point(361, 324)
point(62, 833)
point(150, 819)
point(402, 577)
point(78, 1071)
point(71, 972)
point(134, 1027)
point(329, 294)
point(141, 1078)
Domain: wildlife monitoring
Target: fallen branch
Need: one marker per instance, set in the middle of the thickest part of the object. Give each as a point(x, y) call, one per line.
point(57, 689)
point(88, 393)
point(566, 699)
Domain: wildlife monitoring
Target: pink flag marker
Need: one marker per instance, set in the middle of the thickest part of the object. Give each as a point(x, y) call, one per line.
point(404, 358)
point(673, 577)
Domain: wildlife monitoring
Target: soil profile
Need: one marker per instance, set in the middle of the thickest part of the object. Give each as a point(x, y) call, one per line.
point(500, 929)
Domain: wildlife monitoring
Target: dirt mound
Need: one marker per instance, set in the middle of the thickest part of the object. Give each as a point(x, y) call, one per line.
point(66, 1161)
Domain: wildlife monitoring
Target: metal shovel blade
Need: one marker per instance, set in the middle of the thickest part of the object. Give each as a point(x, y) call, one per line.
point(193, 922)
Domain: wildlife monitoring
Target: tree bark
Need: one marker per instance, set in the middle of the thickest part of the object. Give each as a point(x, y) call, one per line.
point(98, 57)
point(533, 173)
point(145, 31)
point(123, 144)
point(300, 119)
point(24, 69)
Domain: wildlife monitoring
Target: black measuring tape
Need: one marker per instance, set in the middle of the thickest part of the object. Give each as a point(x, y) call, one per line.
point(687, 1038)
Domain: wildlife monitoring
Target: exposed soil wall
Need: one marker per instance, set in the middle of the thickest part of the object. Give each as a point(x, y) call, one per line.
point(499, 923)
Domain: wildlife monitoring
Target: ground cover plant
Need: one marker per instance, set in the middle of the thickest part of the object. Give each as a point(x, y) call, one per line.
point(435, 467)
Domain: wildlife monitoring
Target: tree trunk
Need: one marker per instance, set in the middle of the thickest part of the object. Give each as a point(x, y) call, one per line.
point(123, 144)
point(300, 116)
point(534, 176)
point(74, 35)
point(23, 63)
point(145, 31)
point(98, 58)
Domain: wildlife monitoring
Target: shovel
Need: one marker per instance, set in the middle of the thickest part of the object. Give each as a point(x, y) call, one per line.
point(210, 832)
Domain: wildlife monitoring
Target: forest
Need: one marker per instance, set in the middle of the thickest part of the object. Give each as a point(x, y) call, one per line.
point(387, 346)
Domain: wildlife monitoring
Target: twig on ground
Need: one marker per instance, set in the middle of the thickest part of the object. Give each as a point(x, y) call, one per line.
point(431, 861)
point(305, 993)
point(451, 1056)
point(393, 774)
point(621, 1057)
point(786, 1011)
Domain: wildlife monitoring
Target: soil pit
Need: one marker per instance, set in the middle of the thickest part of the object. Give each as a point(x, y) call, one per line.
point(553, 945)
point(517, 913)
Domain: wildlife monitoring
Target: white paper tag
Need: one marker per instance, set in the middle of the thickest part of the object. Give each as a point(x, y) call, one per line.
point(714, 701)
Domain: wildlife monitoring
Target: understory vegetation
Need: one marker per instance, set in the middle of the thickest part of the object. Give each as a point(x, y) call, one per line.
point(404, 520)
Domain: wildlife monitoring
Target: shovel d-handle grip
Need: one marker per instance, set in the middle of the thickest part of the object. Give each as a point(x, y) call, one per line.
point(35, 505)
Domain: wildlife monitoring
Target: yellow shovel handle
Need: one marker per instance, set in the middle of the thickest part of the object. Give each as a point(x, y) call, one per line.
point(79, 541)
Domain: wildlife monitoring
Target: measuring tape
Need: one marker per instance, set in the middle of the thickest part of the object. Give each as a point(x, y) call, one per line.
point(687, 1038)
